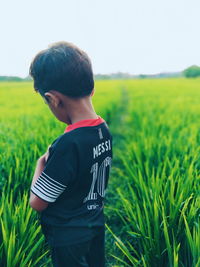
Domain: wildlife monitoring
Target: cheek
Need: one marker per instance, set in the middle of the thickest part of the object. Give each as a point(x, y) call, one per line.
point(59, 113)
point(53, 110)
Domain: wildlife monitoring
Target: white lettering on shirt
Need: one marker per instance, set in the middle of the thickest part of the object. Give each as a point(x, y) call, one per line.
point(101, 148)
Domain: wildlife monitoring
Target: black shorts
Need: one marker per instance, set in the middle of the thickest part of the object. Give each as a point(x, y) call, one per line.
point(86, 254)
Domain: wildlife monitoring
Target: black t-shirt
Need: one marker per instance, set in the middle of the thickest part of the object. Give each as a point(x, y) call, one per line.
point(74, 181)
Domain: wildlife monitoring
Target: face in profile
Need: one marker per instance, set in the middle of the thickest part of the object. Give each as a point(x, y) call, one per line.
point(54, 103)
point(60, 104)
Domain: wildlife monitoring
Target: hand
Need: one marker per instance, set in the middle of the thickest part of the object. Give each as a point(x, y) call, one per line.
point(40, 166)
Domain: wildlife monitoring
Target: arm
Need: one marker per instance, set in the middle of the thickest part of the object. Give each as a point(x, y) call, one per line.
point(55, 174)
point(37, 203)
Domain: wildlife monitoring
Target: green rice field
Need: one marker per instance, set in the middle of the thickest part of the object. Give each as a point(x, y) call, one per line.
point(153, 195)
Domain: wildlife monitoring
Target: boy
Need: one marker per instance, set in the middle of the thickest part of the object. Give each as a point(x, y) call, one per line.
point(68, 187)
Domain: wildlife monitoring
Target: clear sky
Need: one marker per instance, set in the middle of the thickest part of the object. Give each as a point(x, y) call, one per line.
point(143, 36)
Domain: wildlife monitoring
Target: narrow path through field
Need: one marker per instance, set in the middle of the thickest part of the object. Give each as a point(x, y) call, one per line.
point(118, 128)
point(118, 124)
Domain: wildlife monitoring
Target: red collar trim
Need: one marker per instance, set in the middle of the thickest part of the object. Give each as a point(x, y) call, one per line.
point(84, 123)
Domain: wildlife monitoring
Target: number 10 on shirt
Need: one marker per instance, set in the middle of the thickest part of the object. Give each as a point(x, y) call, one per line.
point(99, 176)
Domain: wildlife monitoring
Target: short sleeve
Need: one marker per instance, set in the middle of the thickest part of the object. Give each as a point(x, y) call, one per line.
point(60, 170)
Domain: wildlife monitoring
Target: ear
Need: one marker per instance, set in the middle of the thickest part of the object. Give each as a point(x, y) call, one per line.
point(92, 93)
point(53, 99)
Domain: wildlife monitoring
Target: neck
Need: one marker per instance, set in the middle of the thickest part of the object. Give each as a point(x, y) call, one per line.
point(81, 110)
point(85, 116)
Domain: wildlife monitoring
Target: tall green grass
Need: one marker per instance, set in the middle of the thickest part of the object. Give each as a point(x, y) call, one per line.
point(27, 127)
point(158, 176)
point(152, 201)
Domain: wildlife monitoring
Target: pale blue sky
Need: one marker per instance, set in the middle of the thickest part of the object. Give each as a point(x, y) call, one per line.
point(143, 36)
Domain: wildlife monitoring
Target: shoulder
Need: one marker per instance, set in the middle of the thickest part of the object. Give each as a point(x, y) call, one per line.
point(63, 142)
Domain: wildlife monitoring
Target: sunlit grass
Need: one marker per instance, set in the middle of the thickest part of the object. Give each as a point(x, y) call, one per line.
point(27, 127)
point(152, 202)
point(158, 175)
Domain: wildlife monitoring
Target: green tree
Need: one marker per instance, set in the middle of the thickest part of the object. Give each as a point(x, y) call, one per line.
point(192, 72)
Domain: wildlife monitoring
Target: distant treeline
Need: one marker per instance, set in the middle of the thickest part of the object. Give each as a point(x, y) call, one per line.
point(122, 75)
point(191, 72)
point(13, 79)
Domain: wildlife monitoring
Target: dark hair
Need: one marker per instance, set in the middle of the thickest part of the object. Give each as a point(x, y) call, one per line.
point(62, 67)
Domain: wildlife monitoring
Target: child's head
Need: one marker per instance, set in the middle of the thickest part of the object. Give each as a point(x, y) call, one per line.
point(63, 76)
point(62, 67)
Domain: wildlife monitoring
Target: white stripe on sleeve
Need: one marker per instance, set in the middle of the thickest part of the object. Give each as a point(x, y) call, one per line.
point(47, 188)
